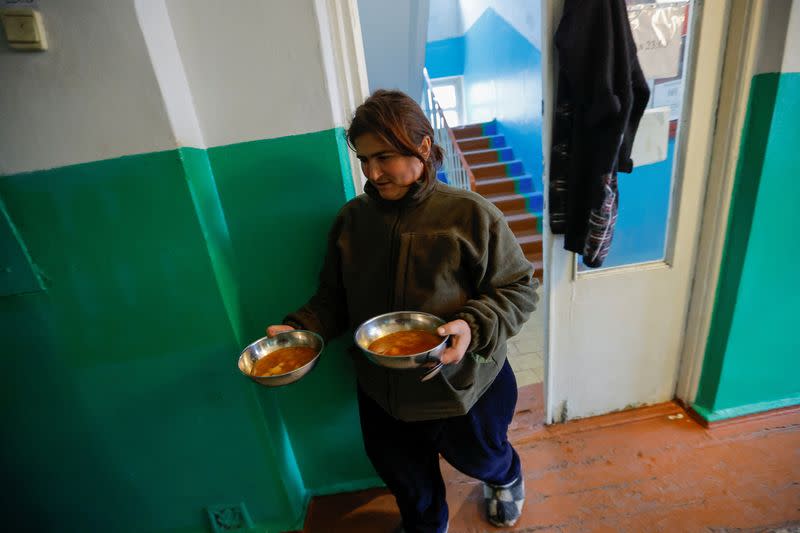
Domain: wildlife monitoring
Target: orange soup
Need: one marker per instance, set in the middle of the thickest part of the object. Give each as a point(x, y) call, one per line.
point(405, 342)
point(283, 360)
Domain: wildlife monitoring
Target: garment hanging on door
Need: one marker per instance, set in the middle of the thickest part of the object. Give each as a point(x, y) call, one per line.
point(602, 94)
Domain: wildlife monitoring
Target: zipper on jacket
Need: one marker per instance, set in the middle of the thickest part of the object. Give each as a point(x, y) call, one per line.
point(393, 245)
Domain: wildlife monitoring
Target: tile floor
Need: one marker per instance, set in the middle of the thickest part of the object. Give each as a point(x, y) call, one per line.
point(526, 350)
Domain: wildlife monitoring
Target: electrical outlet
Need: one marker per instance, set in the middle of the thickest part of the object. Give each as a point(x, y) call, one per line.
point(229, 518)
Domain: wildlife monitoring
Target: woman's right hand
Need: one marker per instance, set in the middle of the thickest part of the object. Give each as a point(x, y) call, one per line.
point(280, 328)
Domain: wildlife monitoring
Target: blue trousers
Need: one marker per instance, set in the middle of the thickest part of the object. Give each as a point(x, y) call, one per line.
point(406, 454)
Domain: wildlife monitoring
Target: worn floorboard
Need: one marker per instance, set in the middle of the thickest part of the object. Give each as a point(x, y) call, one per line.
point(650, 469)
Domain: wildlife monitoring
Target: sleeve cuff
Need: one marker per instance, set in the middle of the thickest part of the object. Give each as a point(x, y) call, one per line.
point(301, 320)
point(473, 329)
point(294, 324)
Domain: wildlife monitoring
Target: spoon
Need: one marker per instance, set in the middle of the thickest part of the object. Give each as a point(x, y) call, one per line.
point(432, 372)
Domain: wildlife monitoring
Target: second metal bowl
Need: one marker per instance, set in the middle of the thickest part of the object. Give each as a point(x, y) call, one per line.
point(383, 325)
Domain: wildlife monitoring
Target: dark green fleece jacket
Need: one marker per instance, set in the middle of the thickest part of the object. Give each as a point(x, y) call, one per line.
point(447, 252)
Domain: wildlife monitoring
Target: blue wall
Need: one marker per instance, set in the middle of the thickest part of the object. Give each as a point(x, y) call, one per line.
point(502, 80)
point(498, 56)
point(445, 57)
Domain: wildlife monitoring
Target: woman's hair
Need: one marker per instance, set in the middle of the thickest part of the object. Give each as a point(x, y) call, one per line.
point(396, 119)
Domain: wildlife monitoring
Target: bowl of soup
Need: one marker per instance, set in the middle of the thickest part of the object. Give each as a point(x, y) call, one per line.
point(282, 359)
point(402, 339)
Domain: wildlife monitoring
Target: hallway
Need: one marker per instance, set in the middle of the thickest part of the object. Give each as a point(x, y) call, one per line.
point(646, 470)
point(526, 349)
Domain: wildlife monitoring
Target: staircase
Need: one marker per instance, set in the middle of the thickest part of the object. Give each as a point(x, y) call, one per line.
point(501, 179)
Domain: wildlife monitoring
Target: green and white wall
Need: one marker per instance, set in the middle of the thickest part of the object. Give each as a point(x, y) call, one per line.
point(168, 172)
point(752, 359)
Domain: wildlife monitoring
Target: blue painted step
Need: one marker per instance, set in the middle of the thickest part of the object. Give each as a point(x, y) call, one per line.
point(482, 143)
point(492, 155)
point(523, 184)
point(533, 202)
point(498, 169)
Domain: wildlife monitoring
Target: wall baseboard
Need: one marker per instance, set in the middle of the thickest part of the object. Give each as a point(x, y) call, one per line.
point(714, 418)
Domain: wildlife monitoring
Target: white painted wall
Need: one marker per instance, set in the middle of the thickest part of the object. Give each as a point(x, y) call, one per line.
point(774, 37)
point(791, 51)
point(92, 95)
point(168, 67)
point(445, 20)
point(394, 43)
point(523, 15)
point(137, 76)
point(255, 68)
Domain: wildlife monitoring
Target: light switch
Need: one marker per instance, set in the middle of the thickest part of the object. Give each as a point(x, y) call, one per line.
point(24, 29)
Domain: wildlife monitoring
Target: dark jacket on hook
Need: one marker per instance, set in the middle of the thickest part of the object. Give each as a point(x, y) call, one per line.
point(602, 94)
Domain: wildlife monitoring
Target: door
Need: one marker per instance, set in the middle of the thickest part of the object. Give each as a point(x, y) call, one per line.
point(615, 334)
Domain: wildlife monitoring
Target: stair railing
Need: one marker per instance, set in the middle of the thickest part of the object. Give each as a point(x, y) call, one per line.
point(454, 166)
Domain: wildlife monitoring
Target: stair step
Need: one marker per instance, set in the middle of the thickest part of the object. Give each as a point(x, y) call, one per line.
point(482, 143)
point(493, 155)
point(534, 256)
point(508, 203)
point(538, 269)
point(475, 130)
point(530, 241)
point(505, 185)
point(524, 220)
point(498, 169)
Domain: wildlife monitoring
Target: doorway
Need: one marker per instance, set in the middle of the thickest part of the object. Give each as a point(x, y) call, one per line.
point(600, 340)
point(479, 79)
point(616, 335)
point(486, 55)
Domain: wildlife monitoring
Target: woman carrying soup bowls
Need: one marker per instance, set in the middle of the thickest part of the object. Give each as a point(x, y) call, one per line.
point(411, 242)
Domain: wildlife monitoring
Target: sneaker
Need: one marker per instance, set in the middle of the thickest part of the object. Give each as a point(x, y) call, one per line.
point(504, 502)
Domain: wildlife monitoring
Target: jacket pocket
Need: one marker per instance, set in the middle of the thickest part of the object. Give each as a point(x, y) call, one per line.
point(430, 276)
point(461, 376)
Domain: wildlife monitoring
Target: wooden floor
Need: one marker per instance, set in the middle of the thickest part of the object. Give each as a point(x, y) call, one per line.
point(650, 469)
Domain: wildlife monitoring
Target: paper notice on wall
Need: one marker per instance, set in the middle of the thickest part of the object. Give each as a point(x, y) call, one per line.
point(657, 33)
point(652, 137)
point(669, 94)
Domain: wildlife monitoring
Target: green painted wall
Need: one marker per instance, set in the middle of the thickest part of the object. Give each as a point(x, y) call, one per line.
point(123, 404)
point(279, 197)
point(752, 360)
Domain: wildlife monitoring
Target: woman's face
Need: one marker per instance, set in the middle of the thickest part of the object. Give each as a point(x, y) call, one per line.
point(389, 171)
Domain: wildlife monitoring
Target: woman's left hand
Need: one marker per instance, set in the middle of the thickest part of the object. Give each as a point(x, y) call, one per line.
point(462, 336)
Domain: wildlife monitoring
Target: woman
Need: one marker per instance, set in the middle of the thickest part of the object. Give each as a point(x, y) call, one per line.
point(413, 243)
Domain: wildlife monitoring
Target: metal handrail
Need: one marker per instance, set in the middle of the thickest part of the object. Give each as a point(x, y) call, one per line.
point(454, 165)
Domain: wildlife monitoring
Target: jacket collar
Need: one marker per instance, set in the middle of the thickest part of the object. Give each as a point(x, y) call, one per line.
point(414, 196)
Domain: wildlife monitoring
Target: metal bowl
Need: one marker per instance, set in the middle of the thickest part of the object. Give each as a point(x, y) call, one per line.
point(383, 325)
point(266, 345)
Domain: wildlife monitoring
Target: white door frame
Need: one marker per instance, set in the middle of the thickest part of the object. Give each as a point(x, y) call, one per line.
point(711, 47)
point(342, 48)
point(746, 26)
point(551, 244)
